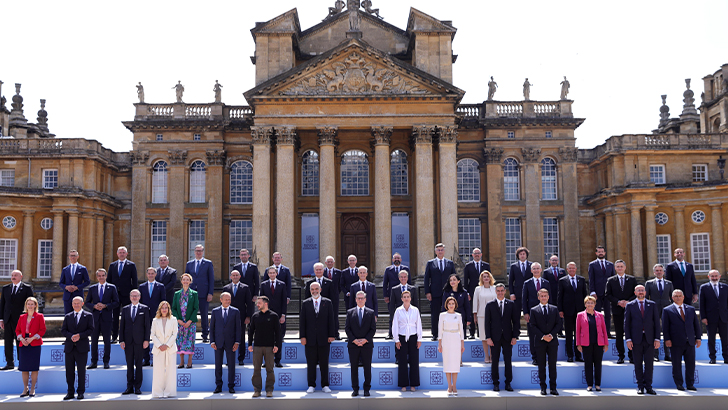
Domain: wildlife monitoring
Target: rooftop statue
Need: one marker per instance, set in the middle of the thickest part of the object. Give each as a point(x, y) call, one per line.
point(492, 85)
point(140, 92)
point(179, 89)
point(564, 88)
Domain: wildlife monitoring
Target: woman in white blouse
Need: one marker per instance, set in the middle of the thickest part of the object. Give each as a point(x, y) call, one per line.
point(407, 328)
point(484, 293)
point(164, 338)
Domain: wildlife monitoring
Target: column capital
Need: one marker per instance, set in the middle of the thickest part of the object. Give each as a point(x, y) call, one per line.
point(261, 135)
point(28, 213)
point(177, 156)
point(568, 154)
point(678, 208)
point(422, 134)
point(449, 134)
point(139, 157)
point(635, 208)
point(327, 135)
point(619, 211)
point(493, 155)
point(57, 212)
point(72, 212)
point(286, 136)
point(715, 205)
point(215, 157)
point(382, 135)
point(530, 154)
point(651, 207)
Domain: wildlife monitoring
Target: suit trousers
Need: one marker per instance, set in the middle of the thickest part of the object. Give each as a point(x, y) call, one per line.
point(227, 352)
point(619, 333)
point(643, 353)
point(9, 338)
point(605, 306)
point(570, 329)
point(317, 355)
point(76, 362)
point(204, 318)
point(67, 306)
point(335, 303)
point(123, 301)
point(544, 349)
point(503, 345)
point(408, 359)
point(279, 354)
point(270, 378)
point(363, 354)
point(593, 355)
point(722, 329)
point(134, 353)
point(678, 353)
point(104, 329)
point(390, 309)
point(435, 308)
point(243, 348)
point(531, 341)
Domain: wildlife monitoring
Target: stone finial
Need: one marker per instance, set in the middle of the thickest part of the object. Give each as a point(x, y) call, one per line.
point(664, 111)
point(688, 100)
point(17, 100)
point(218, 92)
point(2, 99)
point(43, 116)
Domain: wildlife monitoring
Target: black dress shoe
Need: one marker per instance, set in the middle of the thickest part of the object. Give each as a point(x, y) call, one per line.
point(631, 361)
point(496, 388)
point(338, 337)
point(570, 359)
point(508, 387)
point(205, 340)
point(278, 364)
point(69, 396)
point(106, 366)
point(389, 337)
point(620, 360)
point(641, 390)
point(712, 361)
point(114, 341)
point(535, 363)
point(137, 391)
point(669, 359)
point(554, 392)
point(8, 367)
point(231, 390)
point(366, 393)
point(434, 338)
point(129, 390)
point(657, 359)
point(679, 387)
point(579, 359)
point(241, 363)
point(692, 388)
point(543, 392)
point(218, 389)
point(80, 397)
point(355, 393)
point(725, 361)
point(146, 363)
point(93, 366)
point(651, 391)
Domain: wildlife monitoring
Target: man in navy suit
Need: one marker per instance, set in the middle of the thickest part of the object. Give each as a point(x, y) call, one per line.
point(619, 291)
point(681, 331)
point(471, 278)
point(552, 274)
point(167, 276)
point(284, 274)
point(225, 331)
point(336, 280)
point(101, 300)
point(570, 300)
point(153, 293)
point(242, 300)
point(642, 328)
point(326, 287)
point(275, 291)
point(529, 299)
point(544, 320)
point(502, 329)
point(714, 311)
point(682, 275)
point(203, 281)
point(77, 327)
point(519, 273)
point(249, 274)
point(659, 290)
point(122, 273)
point(600, 270)
point(395, 298)
point(317, 331)
point(12, 305)
point(368, 288)
point(437, 271)
point(391, 278)
point(74, 278)
point(134, 329)
point(360, 327)
point(349, 276)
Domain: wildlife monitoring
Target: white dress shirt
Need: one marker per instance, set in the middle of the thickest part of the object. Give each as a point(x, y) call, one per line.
point(407, 322)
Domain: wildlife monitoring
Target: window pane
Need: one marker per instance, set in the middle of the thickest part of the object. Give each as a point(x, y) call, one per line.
point(548, 179)
point(513, 239)
point(8, 256)
point(241, 237)
point(50, 178)
point(701, 251)
point(7, 177)
point(550, 238)
point(310, 174)
point(159, 241)
point(197, 182)
point(700, 172)
point(657, 174)
point(241, 183)
point(159, 183)
point(398, 173)
point(468, 181)
point(468, 237)
point(197, 236)
point(664, 255)
point(511, 180)
point(354, 174)
point(45, 258)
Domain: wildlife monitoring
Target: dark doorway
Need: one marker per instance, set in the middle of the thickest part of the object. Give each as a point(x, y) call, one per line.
point(355, 238)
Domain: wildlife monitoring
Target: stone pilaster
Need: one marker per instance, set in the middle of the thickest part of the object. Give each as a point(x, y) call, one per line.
point(638, 269)
point(87, 243)
point(72, 230)
point(609, 233)
point(140, 195)
point(496, 229)
point(619, 251)
point(651, 234)
point(424, 197)
point(285, 198)
point(27, 260)
point(680, 240)
point(261, 137)
point(717, 245)
point(570, 245)
point(99, 239)
point(448, 188)
point(109, 249)
point(532, 183)
point(215, 198)
point(58, 256)
point(176, 229)
point(327, 192)
point(382, 200)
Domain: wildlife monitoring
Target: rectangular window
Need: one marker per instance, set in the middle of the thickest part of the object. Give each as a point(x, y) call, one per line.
point(197, 137)
point(550, 238)
point(7, 177)
point(197, 236)
point(664, 252)
point(657, 174)
point(45, 258)
point(549, 134)
point(511, 134)
point(160, 137)
point(159, 241)
point(700, 244)
point(469, 237)
point(241, 237)
point(8, 257)
point(513, 239)
point(50, 178)
point(700, 172)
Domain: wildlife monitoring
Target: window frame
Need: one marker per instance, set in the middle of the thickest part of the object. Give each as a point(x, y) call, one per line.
point(659, 176)
point(514, 181)
point(472, 182)
point(44, 266)
point(11, 262)
point(198, 189)
point(354, 172)
point(699, 265)
point(52, 178)
point(241, 172)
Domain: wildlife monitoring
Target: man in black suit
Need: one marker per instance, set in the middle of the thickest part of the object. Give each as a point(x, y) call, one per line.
point(368, 288)
point(570, 300)
point(681, 331)
point(249, 274)
point(360, 328)
point(101, 300)
point(275, 291)
point(642, 327)
point(225, 331)
point(167, 276)
point(325, 284)
point(659, 290)
point(122, 273)
point(12, 305)
point(619, 291)
point(391, 279)
point(520, 272)
point(395, 298)
point(714, 311)
point(437, 272)
point(284, 274)
point(530, 298)
point(544, 320)
point(317, 330)
point(242, 300)
point(471, 278)
point(682, 275)
point(77, 327)
point(153, 293)
point(349, 275)
point(502, 329)
point(134, 329)
point(336, 280)
point(600, 270)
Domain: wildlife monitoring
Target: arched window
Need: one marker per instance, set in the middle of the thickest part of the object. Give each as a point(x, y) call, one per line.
point(398, 173)
point(241, 182)
point(159, 183)
point(548, 179)
point(354, 173)
point(511, 180)
point(197, 182)
point(310, 174)
point(468, 181)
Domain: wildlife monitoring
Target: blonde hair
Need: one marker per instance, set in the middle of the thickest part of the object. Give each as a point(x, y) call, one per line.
point(187, 275)
point(490, 282)
point(159, 310)
point(25, 305)
point(590, 297)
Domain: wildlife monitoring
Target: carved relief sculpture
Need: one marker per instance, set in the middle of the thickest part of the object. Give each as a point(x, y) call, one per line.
point(338, 7)
point(215, 157)
point(423, 134)
point(493, 155)
point(177, 157)
point(449, 134)
point(367, 4)
point(139, 157)
point(530, 154)
point(261, 135)
point(568, 154)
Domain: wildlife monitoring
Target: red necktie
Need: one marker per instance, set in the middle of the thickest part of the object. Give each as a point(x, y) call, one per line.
point(682, 314)
point(642, 308)
point(538, 285)
point(272, 288)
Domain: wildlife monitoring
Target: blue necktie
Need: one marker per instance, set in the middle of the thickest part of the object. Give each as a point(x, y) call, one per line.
point(245, 268)
point(224, 315)
point(133, 313)
point(151, 287)
point(361, 315)
point(235, 290)
point(197, 267)
point(101, 293)
point(682, 268)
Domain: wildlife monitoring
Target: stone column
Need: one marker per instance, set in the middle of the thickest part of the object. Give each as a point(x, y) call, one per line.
point(27, 260)
point(716, 219)
point(382, 200)
point(72, 230)
point(140, 195)
point(638, 269)
point(58, 256)
point(449, 189)
point(99, 239)
point(680, 240)
point(618, 252)
point(215, 198)
point(88, 243)
point(424, 197)
point(571, 243)
point(609, 232)
point(109, 249)
point(285, 198)
point(651, 234)
point(327, 192)
point(176, 226)
point(496, 229)
point(261, 193)
point(532, 184)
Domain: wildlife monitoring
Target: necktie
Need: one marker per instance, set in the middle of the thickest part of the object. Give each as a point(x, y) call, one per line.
point(361, 315)
point(77, 315)
point(478, 264)
point(151, 287)
point(133, 313)
point(682, 268)
point(235, 290)
point(73, 270)
point(659, 287)
point(272, 288)
point(538, 285)
point(716, 289)
point(604, 267)
point(328, 273)
point(545, 312)
point(278, 269)
point(164, 272)
point(621, 282)
point(396, 270)
point(224, 315)
point(364, 287)
point(573, 283)
point(315, 305)
point(682, 314)
point(642, 308)
point(245, 268)
point(197, 267)
point(15, 290)
point(500, 304)
point(319, 281)
point(523, 268)
point(121, 267)
point(442, 268)
point(101, 293)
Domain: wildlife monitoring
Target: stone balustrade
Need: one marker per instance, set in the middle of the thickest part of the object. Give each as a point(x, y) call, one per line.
point(469, 111)
point(75, 147)
point(618, 143)
point(528, 109)
point(182, 111)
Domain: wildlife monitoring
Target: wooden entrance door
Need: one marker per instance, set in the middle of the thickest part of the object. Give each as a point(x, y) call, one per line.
point(355, 238)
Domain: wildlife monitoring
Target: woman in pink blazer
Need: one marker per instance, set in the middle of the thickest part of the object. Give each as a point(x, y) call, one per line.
point(591, 340)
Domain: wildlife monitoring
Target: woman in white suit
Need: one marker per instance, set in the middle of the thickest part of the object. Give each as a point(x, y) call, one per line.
point(164, 338)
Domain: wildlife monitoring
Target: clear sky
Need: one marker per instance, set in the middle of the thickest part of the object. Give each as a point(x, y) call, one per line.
point(85, 57)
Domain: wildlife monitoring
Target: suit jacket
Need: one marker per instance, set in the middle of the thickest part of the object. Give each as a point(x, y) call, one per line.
point(712, 307)
point(135, 331)
point(284, 275)
point(395, 296)
point(391, 278)
point(225, 333)
point(164, 335)
point(204, 280)
point(686, 283)
point(336, 281)
point(251, 278)
point(12, 306)
point(542, 325)
point(614, 292)
point(159, 293)
point(653, 293)
point(582, 329)
point(471, 276)
point(83, 328)
point(278, 301)
point(126, 282)
point(169, 280)
point(193, 306)
point(36, 327)
point(553, 279)
point(327, 288)
point(317, 328)
point(502, 327)
point(516, 279)
point(598, 277)
point(356, 331)
point(371, 291)
point(80, 279)
point(242, 299)
point(348, 278)
point(463, 301)
point(110, 299)
point(636, 326)
point(571, 301)
point(529, 297)
point(677, 331)
point(435, 280)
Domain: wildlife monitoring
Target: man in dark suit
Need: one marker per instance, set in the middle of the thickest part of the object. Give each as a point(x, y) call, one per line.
point(437, 272)
point(153, 293)
point(544, 320)
point(714, 311)
point(167, 276)
point(337, 281)
point(570, 300)
point(134, 329)
point(74, 278)
point(12, 305)
point(101, 300)
point(530, 298)
point(249, 274)
point(122, 273)
point(284, 274)
point(552, 274)
point(360, 328)
point(349, 275)
point(642, 327)
point(275, 291)
point(600, 270)
point(395, 295)
point(368, 288)
point(203, 281)
point(391, 278)
point(317, 330)
point(502, 329)
point(681, 331)
point(242, 300)
point(225, 331)
point(659, 290)
point(325, 285)
point(682, 275)
point(77, 327)
point(520, 272)
point(471, 278)
point(619, 291)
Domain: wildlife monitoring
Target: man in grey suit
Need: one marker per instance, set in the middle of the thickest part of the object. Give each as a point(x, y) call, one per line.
point(659, 290)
